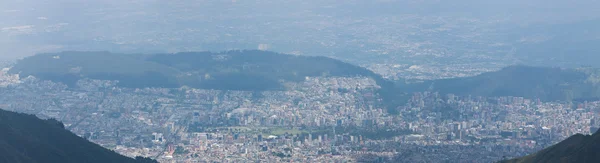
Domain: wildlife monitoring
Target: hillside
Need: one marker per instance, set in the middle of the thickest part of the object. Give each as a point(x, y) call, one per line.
point(250, 70)
point(575, 149)
point(68, 67)
point(548, 84)
point(253, 70)
point(231, 70)
point(28, 139)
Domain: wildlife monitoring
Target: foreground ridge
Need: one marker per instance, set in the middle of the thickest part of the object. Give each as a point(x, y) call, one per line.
point(578, 148)
point(26, 138)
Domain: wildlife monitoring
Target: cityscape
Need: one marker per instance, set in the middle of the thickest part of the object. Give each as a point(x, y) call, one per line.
point(240, 81)
point(322, 119)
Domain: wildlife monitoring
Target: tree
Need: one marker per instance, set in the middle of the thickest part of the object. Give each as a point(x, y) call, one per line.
point(140, 159)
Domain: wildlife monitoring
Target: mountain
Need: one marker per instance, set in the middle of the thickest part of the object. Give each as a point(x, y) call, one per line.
point(547, 84)
point(26, 138)
point(231, 70)
point(253, 70)
point(249, 70)
point(258, 70)
point(575, 149)
point(68, 67)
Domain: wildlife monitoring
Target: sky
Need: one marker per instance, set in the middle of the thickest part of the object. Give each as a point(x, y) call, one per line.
point(347, 29)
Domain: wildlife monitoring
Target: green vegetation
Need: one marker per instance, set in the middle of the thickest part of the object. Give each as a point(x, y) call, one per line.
point(68, 67)
point(253, 70)
point(577, 148)
point(232, 70)
point(179, 150)
point(280, 154)
point(26, 138)
point(260, 70)
point(547, 84)
point(282, 131)
point(373, 133)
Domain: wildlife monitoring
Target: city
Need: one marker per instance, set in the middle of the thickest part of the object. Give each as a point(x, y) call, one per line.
point(417, 81)
point(322, 119)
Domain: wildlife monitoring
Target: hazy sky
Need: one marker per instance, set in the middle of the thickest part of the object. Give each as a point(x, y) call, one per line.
point(33, 26)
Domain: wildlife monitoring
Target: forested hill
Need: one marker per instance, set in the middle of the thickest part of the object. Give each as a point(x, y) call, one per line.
point(68, 67)
point(249, 70)
point(548, 84)
point(231, 70)
point(261, 70)
point(254, 70)
point(28, 139)
point(575, 149)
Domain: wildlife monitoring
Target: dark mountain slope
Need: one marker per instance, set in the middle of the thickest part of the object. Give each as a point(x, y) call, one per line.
point(548, 84)
point(231, 70)
point(68, 67)
point(250, 70)
point(262, 70)
point(253, 67)
point(575, 149)
point(28, 139)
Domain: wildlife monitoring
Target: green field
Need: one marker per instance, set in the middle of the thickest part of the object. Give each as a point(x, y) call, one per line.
point(281, 131)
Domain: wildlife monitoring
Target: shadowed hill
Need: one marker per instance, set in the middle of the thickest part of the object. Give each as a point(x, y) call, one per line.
point(28, 139)
point(254, 70)
point(575, 149)
point(68, 67)
point(548, 84)
point(261, 70)
point(250, 70)
point(232, 70)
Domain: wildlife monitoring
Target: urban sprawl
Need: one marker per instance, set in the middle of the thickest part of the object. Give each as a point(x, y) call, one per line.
point(323, 119)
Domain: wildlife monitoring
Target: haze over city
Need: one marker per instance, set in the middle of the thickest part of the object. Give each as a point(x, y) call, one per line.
point(299, 80)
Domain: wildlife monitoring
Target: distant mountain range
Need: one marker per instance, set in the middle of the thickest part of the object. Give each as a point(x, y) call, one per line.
point(575, 149)
point(28, 139)
point(547, 84)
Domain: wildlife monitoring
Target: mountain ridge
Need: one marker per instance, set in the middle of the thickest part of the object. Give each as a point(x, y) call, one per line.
point(578, 148)
point(28, 139)
point(187, 68)
point(544, 83)
point(254, 70)
point(246, 70)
